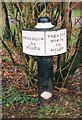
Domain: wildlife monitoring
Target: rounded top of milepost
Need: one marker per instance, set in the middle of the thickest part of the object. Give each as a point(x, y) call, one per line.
point(44, 22)
point(44, 19)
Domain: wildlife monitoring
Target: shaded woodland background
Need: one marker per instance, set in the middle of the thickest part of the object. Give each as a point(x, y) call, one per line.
point(20, 70)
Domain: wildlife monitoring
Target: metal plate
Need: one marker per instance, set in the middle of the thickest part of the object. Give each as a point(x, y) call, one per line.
point(44, 43)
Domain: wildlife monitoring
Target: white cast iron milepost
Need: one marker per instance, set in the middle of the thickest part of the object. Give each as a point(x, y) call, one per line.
point(44, 41)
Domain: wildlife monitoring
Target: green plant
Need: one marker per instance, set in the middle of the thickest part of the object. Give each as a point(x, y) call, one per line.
point(16, 97)
point(47, 111)
point(80, 104)
point(59, 110)
point(34, 100)
point(78, 89)
point(44, 112)
point(6, 59)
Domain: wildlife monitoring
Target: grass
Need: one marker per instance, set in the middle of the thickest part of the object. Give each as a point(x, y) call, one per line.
point(76, 13)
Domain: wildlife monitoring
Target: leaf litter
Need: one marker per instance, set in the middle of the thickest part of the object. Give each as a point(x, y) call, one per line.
point(24, 104)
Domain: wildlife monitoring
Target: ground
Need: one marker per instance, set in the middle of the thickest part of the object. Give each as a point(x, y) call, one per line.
point(20, 101)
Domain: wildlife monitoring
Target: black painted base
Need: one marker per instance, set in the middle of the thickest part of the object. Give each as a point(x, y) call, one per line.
point(45, 76)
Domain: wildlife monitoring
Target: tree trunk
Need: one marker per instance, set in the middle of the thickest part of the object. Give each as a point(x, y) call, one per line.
point(7, 31)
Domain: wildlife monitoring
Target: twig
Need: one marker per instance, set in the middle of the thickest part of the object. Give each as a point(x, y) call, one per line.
point(69, 69)
point(74, 5)
point(77, 21)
